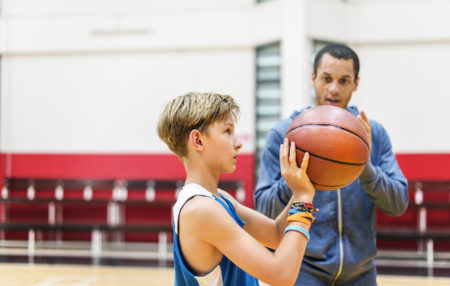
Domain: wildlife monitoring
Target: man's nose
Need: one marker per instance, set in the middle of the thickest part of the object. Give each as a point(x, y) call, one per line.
point(334, 88)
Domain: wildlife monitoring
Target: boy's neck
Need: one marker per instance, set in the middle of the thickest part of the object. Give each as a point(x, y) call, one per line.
point(196, 174)
point(210, 184)
point(201, 172)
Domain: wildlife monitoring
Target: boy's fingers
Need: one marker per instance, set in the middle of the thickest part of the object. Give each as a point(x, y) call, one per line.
point(305, 162)
point(292, 155)
point(283, 153)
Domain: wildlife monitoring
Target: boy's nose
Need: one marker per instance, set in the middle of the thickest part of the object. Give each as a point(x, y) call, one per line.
point(238, 145)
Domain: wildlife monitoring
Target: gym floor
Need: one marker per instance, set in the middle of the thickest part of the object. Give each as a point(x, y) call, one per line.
point(15, 274)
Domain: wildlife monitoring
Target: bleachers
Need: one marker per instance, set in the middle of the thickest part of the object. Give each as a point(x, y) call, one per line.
point(96, 218)
point(101, 218)
point(421, 236)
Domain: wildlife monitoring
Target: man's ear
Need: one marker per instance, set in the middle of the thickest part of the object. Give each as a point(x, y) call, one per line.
point(195, 139)
point(313, 78)
point(356, 84)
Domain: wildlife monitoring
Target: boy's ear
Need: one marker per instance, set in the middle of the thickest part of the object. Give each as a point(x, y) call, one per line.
point(195, 139)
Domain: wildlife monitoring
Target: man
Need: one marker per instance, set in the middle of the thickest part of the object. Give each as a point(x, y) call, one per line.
point(342, 247)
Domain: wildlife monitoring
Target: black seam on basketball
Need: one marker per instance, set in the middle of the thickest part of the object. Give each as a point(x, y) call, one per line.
point(331, 160)
point(330, 125)
point(330, 186)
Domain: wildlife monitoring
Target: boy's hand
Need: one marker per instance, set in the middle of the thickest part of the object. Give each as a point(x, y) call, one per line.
point(296, 178)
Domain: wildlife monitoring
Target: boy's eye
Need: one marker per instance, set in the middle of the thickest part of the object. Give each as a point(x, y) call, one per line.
point(344, 81)
point(229, 130)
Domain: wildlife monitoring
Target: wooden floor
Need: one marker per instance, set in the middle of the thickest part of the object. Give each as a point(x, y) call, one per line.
point(65, 275)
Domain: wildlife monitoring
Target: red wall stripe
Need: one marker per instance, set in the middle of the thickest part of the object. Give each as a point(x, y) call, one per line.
point(415, 166)
point(121, 166)
point(2, 168)
point(116, 166)
point(433, 166)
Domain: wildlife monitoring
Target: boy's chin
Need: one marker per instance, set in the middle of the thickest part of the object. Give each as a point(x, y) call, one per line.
point(230, 170)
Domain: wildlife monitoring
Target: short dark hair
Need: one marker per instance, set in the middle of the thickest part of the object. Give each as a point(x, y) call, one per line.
point(338, 51)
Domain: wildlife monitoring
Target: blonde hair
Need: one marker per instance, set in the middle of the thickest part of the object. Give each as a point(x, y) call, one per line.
point(194, 110)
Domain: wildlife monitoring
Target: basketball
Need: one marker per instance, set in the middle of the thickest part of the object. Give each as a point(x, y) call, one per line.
point(337, 143)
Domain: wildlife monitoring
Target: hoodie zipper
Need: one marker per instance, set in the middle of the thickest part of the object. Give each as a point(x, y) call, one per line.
point(341, 245)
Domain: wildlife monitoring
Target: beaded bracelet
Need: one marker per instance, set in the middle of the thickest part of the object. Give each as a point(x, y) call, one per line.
point(298, 229)
point(294, 211)
point(304, 206)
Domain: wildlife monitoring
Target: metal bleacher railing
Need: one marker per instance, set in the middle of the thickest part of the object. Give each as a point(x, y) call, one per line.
point(106, 236)
point(426, 197)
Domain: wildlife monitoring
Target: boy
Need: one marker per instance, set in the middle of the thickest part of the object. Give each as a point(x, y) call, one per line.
point(218, 241)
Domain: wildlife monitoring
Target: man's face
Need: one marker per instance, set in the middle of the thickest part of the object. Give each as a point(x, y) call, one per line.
point(334, 81)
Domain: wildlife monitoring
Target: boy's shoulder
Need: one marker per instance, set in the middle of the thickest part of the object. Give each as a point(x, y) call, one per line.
point(190, 190)
point(199, 209)
point(228, 196)
point(196, 203)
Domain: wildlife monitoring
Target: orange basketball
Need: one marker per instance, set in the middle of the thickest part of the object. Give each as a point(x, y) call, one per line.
point(337, 143)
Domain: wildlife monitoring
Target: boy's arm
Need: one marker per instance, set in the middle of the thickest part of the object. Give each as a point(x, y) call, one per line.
point(215, 226)
point(267, 231)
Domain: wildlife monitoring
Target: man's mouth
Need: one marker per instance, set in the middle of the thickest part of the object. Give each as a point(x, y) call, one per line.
point(331, 101)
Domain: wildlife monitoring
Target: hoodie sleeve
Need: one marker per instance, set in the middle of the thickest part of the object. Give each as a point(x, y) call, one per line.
point(272, 192)
point(382, 179)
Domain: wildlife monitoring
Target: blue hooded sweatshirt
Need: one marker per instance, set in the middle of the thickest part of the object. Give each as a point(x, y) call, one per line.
point(342, 247)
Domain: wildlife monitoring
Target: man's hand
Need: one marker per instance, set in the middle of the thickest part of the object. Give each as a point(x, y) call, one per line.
point(365, 122)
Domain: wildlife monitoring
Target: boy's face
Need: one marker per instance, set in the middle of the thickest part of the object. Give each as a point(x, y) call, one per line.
point(221, 146)
point(334, 82)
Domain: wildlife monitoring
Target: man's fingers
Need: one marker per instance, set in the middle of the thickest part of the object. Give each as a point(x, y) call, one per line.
point(364, 116)
point(364, 120)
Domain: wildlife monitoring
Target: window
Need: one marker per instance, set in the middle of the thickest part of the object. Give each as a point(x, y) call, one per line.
point(268, 94)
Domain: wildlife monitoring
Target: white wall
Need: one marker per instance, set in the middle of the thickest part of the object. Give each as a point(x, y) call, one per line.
point(73, 26)
point(92, 75)
point(404, 48)
point(108, 103)
point(407, 89)
point(405, 51)
point(46, 7)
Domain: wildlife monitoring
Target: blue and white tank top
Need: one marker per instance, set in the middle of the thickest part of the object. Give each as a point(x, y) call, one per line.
point(225, 273)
